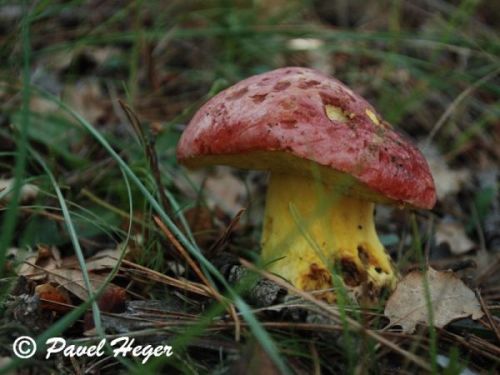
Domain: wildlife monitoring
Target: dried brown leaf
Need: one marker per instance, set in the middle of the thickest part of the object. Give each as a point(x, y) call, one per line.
point(221, 188)
point(450, 299)
point(72, 281)
point(87, 99)
point(453, 233)
point(34, 266)
point(102, 260)
point(448, 181)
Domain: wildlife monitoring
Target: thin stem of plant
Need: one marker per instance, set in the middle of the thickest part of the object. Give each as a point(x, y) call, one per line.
point(200, 274)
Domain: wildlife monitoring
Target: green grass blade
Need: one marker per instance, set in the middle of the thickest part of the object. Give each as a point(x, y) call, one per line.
point(261, 334)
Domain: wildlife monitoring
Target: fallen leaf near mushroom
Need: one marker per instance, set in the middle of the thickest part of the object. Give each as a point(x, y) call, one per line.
point(227, 191)
point(221, 189)
point(102, 260)
point(87, 98)
point(448, 181)
point(453, 233)
point(72, 281)
point(48, 265)
point(35, 266)
point(451, 299)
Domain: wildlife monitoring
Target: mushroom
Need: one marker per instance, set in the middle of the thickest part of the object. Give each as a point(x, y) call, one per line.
point(331, 157)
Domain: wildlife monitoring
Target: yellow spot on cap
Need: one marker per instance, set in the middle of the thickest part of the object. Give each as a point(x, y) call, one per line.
point(335, 113)
point(372, 117)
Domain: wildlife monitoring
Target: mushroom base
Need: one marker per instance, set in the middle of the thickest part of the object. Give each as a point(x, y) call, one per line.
point(312, 233)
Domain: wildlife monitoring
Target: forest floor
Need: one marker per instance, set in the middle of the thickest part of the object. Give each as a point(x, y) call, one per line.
point(94, 96)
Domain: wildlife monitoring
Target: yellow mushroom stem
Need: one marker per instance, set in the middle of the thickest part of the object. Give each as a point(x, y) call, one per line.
point(311, 230)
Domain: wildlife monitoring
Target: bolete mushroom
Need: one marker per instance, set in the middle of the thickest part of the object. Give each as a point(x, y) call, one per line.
point(331, 157)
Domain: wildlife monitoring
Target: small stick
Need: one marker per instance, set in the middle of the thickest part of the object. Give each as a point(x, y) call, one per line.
point(447, 113)
point(223, 238)
point(315, 359)
point(181, 250)
point(493, 325)
point(149, 149)
point(199, 273)
point(178, 283)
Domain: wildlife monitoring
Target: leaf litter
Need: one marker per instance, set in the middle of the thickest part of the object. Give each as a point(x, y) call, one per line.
point(448, 298)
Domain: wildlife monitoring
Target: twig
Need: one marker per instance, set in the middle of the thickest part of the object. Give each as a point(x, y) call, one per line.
point(196, 269)
point(493, 325)
point(474, 344)
point(456, 102)
point(223, 238)
point(182, 251)
point(484, 275)
point(178, 283)
point(149, 147)
point(315, 359)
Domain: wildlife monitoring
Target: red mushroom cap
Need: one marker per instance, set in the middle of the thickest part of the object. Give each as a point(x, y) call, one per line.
point(299, 120)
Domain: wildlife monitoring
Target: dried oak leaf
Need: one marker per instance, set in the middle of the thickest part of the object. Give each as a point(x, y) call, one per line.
point(73, 281)
point(450, 299)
